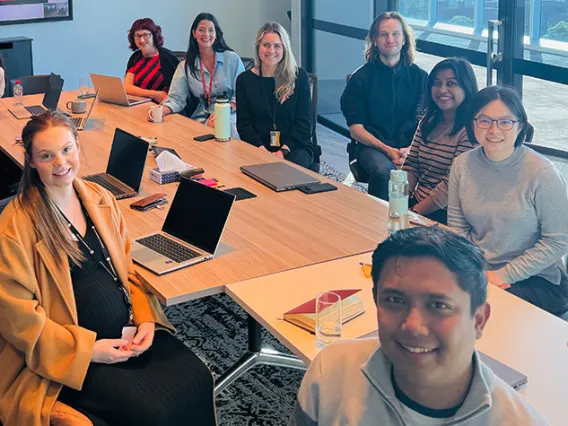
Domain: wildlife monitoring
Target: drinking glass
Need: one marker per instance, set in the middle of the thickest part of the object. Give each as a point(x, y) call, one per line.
point(84, 85)
point(328, 318)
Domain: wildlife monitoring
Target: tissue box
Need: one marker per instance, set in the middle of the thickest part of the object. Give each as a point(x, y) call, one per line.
point(164, 177)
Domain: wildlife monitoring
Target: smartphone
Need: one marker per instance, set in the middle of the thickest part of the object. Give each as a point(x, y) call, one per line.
point(204, 138)
point(87, 96)
point(315, 188)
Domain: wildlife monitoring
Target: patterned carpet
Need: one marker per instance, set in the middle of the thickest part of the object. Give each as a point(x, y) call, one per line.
point(215, 329)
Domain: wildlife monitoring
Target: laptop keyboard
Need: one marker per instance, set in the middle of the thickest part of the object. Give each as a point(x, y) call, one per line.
point(77, 121)
point(168, 248)
point(99, 179)
point(35, 110)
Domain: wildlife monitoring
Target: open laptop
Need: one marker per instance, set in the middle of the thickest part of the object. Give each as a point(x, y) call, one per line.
point(49, 103)
point(512, 377)
point(191, 232)
point(125, 165)
point(278, 176)
point(112, 91)
point(81, 122)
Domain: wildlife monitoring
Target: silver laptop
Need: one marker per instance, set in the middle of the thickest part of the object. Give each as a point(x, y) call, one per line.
point(512, 377)
point(112, 91)
point(125, 166)
point(191, 232)
point(278, 176)
point(49, 103)
point(81, 122)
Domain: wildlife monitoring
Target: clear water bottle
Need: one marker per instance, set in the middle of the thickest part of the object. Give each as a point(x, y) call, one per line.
point(18, 94)
point(398, 201)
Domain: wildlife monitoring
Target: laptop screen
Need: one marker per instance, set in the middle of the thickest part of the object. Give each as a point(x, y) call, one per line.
point(198, 214)
point(51, 97)
point(127, 158)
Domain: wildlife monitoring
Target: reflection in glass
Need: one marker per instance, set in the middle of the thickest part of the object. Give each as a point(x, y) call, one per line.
point(417, 9)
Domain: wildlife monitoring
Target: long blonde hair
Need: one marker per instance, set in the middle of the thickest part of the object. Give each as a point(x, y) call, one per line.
point(408, 51)
point(287, 69)
point(49, 223)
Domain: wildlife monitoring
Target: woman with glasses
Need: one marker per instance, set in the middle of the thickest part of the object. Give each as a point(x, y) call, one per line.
point(511, 202)
point(69, 298)
point(209, 71)
point(275, 107)
point(440, 137)
point(151, 67)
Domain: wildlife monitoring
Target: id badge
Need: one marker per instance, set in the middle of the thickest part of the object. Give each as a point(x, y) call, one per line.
point(275, 138)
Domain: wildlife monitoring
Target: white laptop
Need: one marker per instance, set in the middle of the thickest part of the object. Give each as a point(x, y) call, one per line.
point(191, 232)
point(112, 91)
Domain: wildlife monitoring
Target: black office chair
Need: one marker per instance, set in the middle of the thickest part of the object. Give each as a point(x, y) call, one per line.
point(359, 174)
point(179, 54)
point(5, 202)
point(248, 63)
point(316, 165)
point(32, 84)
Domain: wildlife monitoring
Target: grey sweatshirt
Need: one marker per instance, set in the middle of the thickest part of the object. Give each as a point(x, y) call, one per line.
point(514, 210)
point(349, 384)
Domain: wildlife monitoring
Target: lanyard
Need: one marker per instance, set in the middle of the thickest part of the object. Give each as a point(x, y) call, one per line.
point(271, 111)
point(106, 255)
point(207, 95)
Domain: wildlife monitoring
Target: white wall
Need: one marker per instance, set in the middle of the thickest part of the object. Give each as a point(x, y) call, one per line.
point(96, 39)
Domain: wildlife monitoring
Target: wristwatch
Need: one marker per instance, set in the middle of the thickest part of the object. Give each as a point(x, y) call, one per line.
point(285, 151)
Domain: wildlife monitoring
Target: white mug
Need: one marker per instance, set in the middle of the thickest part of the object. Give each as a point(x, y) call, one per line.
point(157, 113)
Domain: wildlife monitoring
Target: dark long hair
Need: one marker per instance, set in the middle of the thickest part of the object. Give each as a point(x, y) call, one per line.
point(193, 49)
point(466, 79)
point(510, 98)
point(48, 221)
point(3, 66)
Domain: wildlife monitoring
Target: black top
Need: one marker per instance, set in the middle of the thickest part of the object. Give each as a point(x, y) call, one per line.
point(100, 302)
point(168, 64)
point(254, 107)
point(386, 101)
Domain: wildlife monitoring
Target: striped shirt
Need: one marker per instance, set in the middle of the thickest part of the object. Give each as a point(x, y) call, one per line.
point(429, 161)
point(148, 74)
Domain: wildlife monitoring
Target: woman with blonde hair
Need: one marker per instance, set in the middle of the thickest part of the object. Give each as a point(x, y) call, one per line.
point(68, 294)
point(274, 101)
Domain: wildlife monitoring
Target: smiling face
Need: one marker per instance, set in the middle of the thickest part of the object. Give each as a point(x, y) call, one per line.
point(55, 156)
point(498, 143)
point(271, 50)
point(425, 323)
point(205, 34)
point(446, 91)
point(390, 39)
point(144, 41)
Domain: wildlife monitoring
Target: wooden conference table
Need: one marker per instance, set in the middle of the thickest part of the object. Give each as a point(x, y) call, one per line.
point(265, 235)
point(517, 333)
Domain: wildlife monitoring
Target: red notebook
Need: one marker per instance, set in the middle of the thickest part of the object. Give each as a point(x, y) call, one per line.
point(304, 316)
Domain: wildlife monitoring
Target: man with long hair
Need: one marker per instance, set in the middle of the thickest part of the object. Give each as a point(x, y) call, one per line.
point(382, 101)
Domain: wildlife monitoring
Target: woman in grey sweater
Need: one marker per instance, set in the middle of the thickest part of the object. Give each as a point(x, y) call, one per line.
point(511, 202)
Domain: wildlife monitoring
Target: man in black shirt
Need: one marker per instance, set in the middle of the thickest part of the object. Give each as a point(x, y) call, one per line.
point(382, 101)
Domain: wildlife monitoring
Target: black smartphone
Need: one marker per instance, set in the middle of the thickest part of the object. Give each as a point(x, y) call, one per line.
point(87, 96)
point(204, 138)
point(314, 188)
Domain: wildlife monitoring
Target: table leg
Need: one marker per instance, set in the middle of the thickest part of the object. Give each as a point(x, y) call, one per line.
point(256, 355)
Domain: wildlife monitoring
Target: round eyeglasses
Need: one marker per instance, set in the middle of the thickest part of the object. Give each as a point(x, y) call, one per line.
point(503, 124)
point(145, 36)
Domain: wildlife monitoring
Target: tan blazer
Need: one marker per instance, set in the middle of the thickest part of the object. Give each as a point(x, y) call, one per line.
point(41, 345)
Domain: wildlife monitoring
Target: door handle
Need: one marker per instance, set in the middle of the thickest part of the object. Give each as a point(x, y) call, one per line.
point(492, 57)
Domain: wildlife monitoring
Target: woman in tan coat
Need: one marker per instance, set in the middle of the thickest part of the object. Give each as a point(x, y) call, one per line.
point(67, 289)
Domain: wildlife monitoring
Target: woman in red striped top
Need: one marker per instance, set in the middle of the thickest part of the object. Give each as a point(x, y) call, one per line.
point(151, 67)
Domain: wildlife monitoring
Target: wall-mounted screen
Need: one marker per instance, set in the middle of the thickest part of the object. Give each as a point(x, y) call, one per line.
point(22, 11)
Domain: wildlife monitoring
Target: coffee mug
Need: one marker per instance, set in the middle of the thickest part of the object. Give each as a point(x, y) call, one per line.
point(157, 113)
point(77, 106)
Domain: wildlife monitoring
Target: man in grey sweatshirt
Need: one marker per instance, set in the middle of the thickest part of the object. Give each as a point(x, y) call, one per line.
point(430, 288)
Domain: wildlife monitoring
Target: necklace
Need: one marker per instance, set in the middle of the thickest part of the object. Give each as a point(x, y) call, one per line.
point(108, 267)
